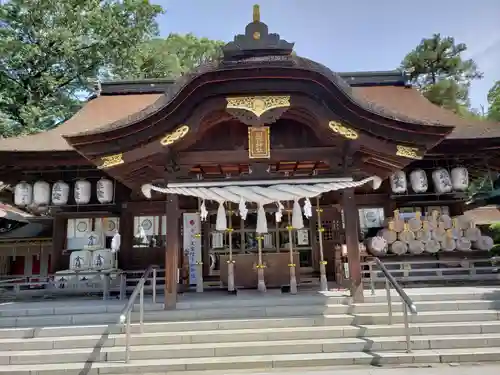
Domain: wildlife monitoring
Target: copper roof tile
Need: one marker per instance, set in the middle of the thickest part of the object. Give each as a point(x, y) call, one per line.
point(484, 215)
point(413, 104)
point(95, 113)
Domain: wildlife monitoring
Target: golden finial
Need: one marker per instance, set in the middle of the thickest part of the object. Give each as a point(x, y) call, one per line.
point(256, 13)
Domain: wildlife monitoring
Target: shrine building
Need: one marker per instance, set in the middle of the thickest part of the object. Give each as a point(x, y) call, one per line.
point(262, 169)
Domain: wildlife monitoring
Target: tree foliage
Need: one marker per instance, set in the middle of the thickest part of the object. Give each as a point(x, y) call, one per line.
point(51, 50)
point(494, 102)
point(169, 57)
point(438, 68)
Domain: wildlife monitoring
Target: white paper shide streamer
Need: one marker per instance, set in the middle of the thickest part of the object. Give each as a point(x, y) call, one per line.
point(295, 191)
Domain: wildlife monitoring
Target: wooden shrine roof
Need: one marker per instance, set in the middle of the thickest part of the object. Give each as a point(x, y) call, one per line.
point(112, 106)
point(95, 113)
point(484, 215)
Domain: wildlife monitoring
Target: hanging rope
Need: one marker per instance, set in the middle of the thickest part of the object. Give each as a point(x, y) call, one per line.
point(262, 196)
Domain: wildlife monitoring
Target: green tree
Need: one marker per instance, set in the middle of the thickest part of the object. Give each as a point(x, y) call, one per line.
point(438, 69)
point(494, 102)
point(169, 57)
point(51, 50)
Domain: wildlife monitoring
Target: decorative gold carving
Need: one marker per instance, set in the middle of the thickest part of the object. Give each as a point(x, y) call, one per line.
point(111, 161)
point(258, 105)
point(174, 136)
point(408, 152)
point(343, 130)
point(259, 142)
point(256, 35)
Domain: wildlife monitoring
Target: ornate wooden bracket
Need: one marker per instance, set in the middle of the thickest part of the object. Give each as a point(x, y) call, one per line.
point(408, 152)
point(171, 164)
point(259, 170)
point(343, 130)
point(258, 110)
point(176, 135)
point(111, 161)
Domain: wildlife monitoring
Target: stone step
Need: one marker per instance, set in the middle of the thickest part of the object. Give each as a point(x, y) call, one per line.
point(251, 348)
point(245, 335)
point(437, 294)
point(270, 300)
point(161, 315)
point(188, 312)
point(182, 326)
point(382, 307)
point(252, 323)
point(75, 307)
point(260, 362)
point(424, 317)
point(156, 313)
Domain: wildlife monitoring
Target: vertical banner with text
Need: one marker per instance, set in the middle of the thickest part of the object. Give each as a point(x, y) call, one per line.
point(192, 242)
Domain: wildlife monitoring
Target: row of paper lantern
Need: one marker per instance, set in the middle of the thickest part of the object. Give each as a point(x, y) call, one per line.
point(40, 193)
point(444, 181)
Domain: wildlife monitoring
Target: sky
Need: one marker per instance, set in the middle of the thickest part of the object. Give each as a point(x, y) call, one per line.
point(355, 35)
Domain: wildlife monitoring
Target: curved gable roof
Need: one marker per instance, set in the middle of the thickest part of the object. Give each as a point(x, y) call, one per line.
point(105, 110)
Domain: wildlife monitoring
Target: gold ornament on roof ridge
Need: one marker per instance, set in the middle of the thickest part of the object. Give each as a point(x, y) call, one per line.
point(111, 161)
point(256, 13)
point(258, 105)
point(408, 152)
point(343, 130)
point(175, 136)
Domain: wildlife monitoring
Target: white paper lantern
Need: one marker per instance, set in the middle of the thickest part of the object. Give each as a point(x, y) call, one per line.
point(398, 182)
point(105, 191)
point(83, 192)
point(442, 181)
point(418, 179)
point(460, 178)
point(23, 194)
point(41, 193)
point(60, 193)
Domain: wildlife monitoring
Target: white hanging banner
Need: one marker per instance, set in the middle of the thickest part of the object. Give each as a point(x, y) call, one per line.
point(192, 242)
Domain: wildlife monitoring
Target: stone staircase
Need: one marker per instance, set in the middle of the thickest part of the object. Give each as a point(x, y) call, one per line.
point(250, 332)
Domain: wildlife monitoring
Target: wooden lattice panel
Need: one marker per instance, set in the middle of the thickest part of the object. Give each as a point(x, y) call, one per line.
point(333, 231)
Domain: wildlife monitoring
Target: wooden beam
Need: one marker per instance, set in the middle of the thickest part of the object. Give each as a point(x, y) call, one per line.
point(241, 156)
point(352, 242)
point(43, 159)
point(172, 251)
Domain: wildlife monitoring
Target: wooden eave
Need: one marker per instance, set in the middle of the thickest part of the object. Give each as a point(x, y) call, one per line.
point(315, 100)
point(42, 159)
point(170, 110)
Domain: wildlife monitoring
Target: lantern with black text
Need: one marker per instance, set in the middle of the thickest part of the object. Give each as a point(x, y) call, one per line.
point(105, 191)
point(83, 192)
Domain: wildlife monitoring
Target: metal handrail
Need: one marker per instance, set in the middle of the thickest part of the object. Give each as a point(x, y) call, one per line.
point(7, 281)
point(126, 313)
point(407, 301)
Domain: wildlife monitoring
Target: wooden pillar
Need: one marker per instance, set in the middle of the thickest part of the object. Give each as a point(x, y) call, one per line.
point(352, 243)
point(58, 260)
point(126, 230)
point(172, 251)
